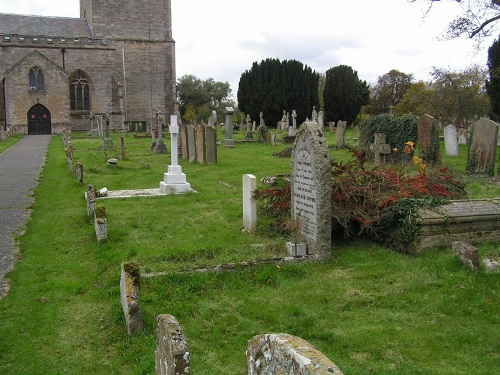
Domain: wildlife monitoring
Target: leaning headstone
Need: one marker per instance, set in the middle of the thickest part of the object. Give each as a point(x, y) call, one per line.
point(340, 133)
point(191, 143)
point(281, 353)
point(482, 151)
point(311, 188)
point(451, 140)
point(428, 140)
point(211, 140)
point(129, 292)
point(380, 149)
point(172, 356)
point(249, 203)
point(468, 254)
point(201, 148)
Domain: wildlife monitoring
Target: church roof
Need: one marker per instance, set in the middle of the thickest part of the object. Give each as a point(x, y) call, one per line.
point(44, 26)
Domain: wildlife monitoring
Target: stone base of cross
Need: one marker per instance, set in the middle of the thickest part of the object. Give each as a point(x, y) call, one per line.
point(380, 148)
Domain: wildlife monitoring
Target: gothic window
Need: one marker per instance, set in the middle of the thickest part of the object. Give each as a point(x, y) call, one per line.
point(79, 92)
point(36, 79)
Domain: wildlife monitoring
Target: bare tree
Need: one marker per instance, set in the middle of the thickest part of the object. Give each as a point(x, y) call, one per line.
point(478, 19)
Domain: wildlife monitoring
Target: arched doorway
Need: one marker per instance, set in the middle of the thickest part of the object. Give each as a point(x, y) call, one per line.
point(39, 120)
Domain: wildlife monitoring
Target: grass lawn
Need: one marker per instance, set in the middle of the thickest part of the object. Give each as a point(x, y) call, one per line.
point(370, 309)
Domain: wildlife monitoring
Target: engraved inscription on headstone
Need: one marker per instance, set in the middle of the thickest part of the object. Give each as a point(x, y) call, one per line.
point(470, 208)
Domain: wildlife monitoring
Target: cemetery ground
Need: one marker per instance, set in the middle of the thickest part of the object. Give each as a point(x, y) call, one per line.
point(370, 309)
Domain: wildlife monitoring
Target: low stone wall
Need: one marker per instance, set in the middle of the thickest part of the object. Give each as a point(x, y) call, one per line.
point(472, 221)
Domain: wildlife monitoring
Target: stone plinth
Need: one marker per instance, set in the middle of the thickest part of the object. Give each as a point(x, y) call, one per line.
point(174, 181)
point(249, 204)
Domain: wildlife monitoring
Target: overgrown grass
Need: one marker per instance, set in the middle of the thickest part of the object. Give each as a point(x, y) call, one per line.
point(369, 309)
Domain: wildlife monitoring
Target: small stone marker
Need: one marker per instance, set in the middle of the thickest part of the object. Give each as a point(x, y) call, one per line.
point(311, 188)
point(282, 353)
point(451, 140)
point(482, 151)
point(79, 172)
point(428, 140)
point(467, 253)
point(249, 203)
point(380, 149)
point(100, 224)
point(172, 356)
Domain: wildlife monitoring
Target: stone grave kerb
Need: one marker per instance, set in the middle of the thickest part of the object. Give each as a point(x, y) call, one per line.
point(311, 188)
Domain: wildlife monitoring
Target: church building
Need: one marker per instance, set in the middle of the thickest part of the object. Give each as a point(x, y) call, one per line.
point(116, 60)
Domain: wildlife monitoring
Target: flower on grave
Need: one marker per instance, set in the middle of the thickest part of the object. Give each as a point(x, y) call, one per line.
point(395, 149)
point(416, 160)
point(409, 147)
point(422, 168)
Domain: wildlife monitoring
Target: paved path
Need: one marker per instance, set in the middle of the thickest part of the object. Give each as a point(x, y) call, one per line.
point(20, 167)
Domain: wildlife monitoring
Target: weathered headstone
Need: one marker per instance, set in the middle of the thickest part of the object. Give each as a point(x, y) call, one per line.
point(211, 138)
point(292, 130)
point(428, 140)
point(191, 143)
point(321, 119)
point(201, 148)
point(160, 147)
point(90, 199)
point(172, 356)
point(340, 133)
point(129, 296)
point(331, 127)
point(451, 140)
point(100, 224)
point(311, 188)
point(229, 141)
point(482, 151)
point(249, 203)
point(462, 136)
point(281, 353)
point(314, 114)
point(79, 172)
point(380, 149)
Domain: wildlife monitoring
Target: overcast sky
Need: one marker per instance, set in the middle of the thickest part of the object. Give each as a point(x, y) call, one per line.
point(220, 39)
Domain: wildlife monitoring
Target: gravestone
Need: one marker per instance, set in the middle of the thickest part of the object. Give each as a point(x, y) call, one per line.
point(340, 133)
point(172, 355)
point(174, 181)
point(331, 127)
point(314, 114)
point(380, 149)
point(283, 123)
point(201, 148)
point(211, 141)
point(129, 296)
point(482, 151)
point(321, 120)
point(249, 203)
point(472, 221)
point(90, 199)
point(190, 130)
point(292, 130)
point(311, 188)
point(468, 254)
point(462, 136)
point(428, 140)
point(183, 140)
point(229, 141)
point(451, 140)
point(160, 146)
point(281, 353)
point(79, 172)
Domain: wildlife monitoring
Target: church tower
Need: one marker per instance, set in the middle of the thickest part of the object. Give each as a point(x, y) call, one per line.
point(141, 31)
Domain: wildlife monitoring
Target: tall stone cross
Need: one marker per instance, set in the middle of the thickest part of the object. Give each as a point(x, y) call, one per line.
point(380, 148)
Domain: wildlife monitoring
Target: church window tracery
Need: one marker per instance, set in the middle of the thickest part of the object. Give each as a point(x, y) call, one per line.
point(79, 92)
point(36, 79)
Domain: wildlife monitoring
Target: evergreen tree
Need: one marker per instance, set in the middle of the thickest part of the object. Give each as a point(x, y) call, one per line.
point(493, 84)
point(272, 86)
point(344, 94)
